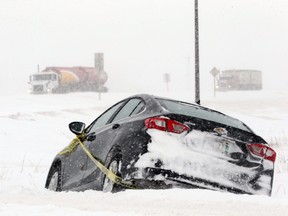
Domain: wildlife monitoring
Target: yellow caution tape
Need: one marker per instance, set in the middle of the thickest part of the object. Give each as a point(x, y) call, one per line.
point(112, 176)
point(70, 148)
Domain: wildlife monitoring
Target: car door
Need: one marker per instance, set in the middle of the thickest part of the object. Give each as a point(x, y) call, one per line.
point(103, 143)
point(98, 134)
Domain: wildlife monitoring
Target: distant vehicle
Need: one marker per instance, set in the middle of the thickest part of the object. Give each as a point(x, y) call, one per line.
point(147, 142)
point(67, 79)
point(239, 80)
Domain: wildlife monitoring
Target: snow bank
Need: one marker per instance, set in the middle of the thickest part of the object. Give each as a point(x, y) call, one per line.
point(35, 127)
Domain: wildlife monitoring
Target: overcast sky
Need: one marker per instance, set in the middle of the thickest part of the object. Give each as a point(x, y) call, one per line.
point(143, 39)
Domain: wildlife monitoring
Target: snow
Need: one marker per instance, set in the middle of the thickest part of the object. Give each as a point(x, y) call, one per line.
point(196, 154)
point(35, 127)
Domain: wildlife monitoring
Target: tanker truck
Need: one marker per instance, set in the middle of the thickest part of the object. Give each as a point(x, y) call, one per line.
point(67, 79)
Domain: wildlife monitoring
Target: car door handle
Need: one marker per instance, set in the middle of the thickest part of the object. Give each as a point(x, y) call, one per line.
point(90, 137)
point(115, 126)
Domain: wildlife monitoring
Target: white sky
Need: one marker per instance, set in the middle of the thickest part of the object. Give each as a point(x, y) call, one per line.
point(142, 39)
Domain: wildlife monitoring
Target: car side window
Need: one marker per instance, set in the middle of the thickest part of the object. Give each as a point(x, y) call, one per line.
point(105, 117)
point(132, 107)
point(138, 108)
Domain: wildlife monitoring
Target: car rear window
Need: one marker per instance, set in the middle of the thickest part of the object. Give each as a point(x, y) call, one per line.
point(202, 113)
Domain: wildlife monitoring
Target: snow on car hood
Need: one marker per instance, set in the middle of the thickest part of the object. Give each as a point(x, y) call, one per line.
point(198, 154)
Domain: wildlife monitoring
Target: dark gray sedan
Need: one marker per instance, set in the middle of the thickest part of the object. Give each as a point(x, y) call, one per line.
point(145, 142)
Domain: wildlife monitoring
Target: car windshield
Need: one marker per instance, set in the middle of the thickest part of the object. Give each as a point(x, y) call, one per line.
point(38, 77)
point(202, 113)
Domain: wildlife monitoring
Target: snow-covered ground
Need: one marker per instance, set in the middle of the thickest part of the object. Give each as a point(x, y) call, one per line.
point(35, 127)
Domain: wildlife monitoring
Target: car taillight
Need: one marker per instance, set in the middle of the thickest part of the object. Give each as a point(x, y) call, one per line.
point(165, 124)
point(262, 151)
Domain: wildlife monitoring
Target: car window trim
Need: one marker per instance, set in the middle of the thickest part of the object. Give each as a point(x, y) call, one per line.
point(87, 130)
point(136, 107)
point(141, 100)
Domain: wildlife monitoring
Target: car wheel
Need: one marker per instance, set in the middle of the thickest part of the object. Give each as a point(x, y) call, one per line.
point(114, 166)
point(55, 180)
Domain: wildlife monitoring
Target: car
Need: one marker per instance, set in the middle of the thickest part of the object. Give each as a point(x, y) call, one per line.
point(151, 142)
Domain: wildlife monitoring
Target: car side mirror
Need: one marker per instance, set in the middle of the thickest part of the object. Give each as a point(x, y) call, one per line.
point(77, 127)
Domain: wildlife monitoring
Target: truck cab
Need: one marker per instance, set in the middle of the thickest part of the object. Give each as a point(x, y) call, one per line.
point(43, 82)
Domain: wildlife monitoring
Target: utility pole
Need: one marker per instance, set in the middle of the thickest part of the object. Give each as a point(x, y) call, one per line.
point(197, 76)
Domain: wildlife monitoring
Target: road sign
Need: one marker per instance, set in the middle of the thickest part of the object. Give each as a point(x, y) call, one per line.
point(214, 72)
point(166, 77)
point(99, 62)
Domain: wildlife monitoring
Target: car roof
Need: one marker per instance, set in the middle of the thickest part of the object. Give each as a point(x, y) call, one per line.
point(154, 97)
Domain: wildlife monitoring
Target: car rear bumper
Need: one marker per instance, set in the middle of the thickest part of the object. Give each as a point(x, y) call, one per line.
point(155, 178)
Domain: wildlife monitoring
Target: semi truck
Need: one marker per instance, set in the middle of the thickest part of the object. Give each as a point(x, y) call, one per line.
point(239, 80)
point(67, 79)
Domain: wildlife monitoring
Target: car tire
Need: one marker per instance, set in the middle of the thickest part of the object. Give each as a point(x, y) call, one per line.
point(113, 164)
point(54, 183)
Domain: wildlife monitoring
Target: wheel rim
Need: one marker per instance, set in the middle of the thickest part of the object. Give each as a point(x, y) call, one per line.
point(108, 184)
point(53, 184)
